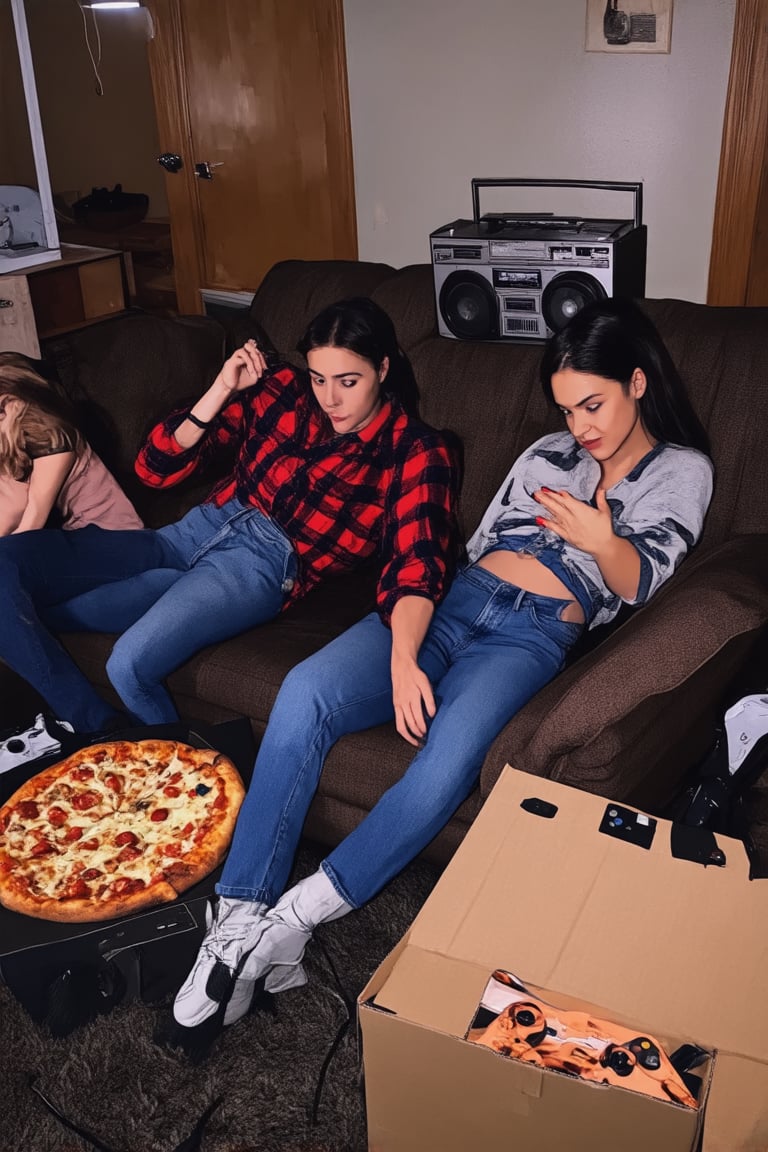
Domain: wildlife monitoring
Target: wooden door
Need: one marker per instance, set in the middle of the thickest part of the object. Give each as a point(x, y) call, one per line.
point(738, 266)
point(257, 90)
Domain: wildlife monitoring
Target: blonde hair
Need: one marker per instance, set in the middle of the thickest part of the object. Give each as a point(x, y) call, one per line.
point(36, 420)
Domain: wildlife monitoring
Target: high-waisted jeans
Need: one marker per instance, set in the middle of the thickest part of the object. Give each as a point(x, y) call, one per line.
point(489, 648)
point(170, 592)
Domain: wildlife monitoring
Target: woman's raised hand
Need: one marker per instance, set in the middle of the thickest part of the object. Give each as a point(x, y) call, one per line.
point(578, 523)
point(244, 368)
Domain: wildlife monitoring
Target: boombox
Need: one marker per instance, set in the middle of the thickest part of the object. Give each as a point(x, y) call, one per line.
point(522, 276)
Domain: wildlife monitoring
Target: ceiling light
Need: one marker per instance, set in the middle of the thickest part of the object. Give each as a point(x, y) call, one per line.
point(113, 4)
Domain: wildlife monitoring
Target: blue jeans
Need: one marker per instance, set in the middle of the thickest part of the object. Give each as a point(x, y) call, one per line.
point(489, 648)
point(215, 573)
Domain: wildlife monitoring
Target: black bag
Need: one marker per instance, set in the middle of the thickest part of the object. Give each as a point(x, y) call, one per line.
point(716, 797)
point(67, 974)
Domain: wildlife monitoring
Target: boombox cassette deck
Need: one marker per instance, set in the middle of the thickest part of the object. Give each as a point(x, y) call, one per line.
point(521, 276)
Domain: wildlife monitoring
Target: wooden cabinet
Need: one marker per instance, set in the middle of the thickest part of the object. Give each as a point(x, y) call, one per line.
point(85, 285)
point(149, 264)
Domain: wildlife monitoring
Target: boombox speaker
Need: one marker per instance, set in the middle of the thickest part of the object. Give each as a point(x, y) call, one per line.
point(522, 276)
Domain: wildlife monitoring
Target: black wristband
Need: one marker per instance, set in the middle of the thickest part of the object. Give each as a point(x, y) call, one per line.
point(204, 424)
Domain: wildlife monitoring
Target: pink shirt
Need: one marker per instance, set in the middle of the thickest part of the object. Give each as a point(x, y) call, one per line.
point(89, 495)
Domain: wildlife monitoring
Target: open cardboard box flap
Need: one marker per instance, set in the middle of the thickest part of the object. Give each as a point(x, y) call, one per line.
point(679, 949)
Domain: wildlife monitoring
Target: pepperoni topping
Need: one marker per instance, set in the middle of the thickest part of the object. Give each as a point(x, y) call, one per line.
point(99, 756)
point(130, 852)
point(220, 801)
point(90, 845)
point(4, 821)
point(171, 791)
point(57, 817)
point(85, 800)
point(91, 874)
point(73, 833)
point(113, 782)
point(158, 815)
point(175, 778)
point(82, 773)
point(42, 848)
point(126, 838)
point(188, 829)
point(125, 886)
point(28, 810)
point(172, 850)
point(76, 890)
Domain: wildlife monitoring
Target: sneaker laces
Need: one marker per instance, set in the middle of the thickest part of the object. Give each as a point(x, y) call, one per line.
point(229, 935)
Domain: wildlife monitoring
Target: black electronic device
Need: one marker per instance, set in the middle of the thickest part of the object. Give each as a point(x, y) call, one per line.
point(522, 276)
point(539, 807)
point(628, 825)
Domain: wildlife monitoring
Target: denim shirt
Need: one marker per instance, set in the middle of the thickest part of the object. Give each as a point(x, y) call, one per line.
point(659, 506)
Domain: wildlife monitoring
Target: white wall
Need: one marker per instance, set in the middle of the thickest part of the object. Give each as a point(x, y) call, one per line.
point(445, 90)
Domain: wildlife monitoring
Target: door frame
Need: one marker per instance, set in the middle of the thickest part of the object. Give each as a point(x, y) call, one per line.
point(742, 186)
point(167, 67)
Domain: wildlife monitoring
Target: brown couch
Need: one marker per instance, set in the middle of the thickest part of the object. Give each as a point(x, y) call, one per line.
point(631, 712)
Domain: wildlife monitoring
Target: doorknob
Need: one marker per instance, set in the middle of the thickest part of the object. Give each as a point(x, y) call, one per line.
point(171, 161)
point(204, 170)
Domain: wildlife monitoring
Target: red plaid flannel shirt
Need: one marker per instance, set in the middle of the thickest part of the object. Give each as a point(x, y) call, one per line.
point(389, 489)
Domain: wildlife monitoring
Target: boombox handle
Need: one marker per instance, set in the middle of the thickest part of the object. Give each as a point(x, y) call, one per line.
point(514, 182)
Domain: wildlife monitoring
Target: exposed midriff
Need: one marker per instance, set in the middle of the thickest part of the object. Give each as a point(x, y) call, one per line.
point(526, 571)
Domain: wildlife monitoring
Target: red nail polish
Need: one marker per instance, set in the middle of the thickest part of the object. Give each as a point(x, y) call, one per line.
point(545, 489)
point(541, 521)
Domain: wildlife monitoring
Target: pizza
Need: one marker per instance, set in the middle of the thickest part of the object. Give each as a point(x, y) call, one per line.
point(116, 828)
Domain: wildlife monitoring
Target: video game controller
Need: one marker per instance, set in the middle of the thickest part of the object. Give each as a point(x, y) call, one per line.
point(642, 1054)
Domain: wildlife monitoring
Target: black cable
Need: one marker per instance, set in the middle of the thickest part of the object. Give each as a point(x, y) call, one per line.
point(91, 1137)
point(190, 1144)
point(349, 1006)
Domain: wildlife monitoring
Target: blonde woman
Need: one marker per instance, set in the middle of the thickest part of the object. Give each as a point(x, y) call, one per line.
point(46, 467)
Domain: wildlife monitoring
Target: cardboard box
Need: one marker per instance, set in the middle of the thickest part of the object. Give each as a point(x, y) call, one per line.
point(665, 945)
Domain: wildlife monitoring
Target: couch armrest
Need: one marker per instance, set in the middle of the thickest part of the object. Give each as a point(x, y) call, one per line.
point(629, 718)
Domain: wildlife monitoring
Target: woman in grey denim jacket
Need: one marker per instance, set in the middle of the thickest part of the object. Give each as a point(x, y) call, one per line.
point(586, 519)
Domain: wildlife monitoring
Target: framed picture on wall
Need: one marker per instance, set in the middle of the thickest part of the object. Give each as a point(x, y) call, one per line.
point(629, 25)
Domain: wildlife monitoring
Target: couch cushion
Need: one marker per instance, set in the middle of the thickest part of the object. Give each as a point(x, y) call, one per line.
point(722, 355)
point(294, 291)
point(126, 374)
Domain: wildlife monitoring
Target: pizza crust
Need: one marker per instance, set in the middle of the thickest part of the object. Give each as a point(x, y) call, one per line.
point(74, 911)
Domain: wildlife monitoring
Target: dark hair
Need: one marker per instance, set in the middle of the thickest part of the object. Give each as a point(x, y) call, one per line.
point(361, 326)
point(611, 338)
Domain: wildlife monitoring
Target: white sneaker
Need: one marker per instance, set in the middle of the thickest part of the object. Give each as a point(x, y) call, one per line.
point(236, 929)
point(279, 978)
